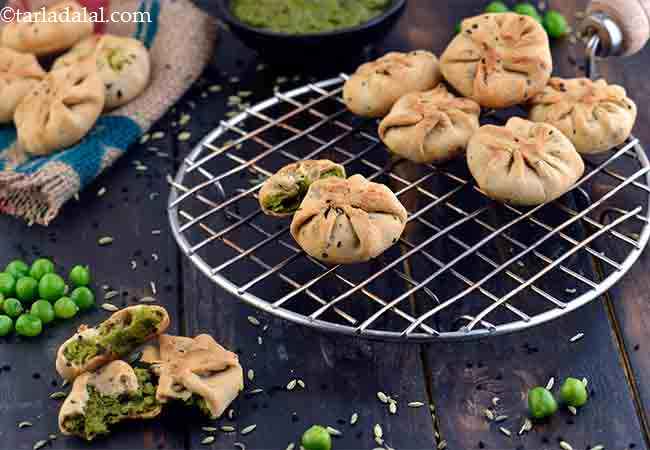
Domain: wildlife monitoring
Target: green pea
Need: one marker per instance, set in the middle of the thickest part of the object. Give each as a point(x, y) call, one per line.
point(541, 403)
point(64, 308)
point(458, 28)
point(28, 325)
point(43, 310)
point(26, 289)
point(7, 284)
point(6, 325)
point(51, 287)
point(573, 392)
point(83, 298)
point(555, 24)
point(496, 7)
point(40, 267)
point(316, 438)
point(79, 276)
point(12, 307)
point(2, 300)
point(526, 9)
point(17, 268)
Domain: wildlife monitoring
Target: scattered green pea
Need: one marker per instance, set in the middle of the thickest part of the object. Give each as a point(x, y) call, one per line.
point(2, 300)
point(12, 307)
point(17, 268)
point(6, 325)
point(43, 310)
point(80, 276)
point(496, 7)
point(40, 267)
point(573, 392)
point(28, 325)
point(83, 298)
point(555, 24)
point(7, 284)
point(26, 289)
point(316, 438)
point(64, 308)
point(527, 9)
point(541, 403)
point(51, 287)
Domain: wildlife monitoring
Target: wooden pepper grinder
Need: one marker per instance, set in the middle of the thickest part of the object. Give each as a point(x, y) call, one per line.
point(622, 26)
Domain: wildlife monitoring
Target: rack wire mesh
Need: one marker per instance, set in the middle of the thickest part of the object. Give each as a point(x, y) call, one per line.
point(465, 267)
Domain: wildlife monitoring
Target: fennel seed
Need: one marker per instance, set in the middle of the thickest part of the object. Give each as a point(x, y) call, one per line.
point(550, 384)
point(247, 429)
point(333, 431)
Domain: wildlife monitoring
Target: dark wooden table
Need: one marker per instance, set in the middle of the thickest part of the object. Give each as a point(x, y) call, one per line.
point(342, 375)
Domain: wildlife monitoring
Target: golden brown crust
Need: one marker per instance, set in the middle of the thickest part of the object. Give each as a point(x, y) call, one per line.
point(123, 64)
point(431, 126)
point(46, 37)
point(523, 163)
point(375, 86)
point(198, 366)
point(594, 115)
point(60, 110)
point(19, 74)
point(70, 370)
point(285, 180)
point(348, 221)
point(499, 60)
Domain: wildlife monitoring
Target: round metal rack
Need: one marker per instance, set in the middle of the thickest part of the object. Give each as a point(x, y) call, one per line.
point(465, 267)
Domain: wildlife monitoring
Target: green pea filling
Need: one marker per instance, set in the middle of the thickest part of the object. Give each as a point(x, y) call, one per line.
point(288, 202)
point(102, 411)
point(301, 16)
point(116, 338)
point(198, 402)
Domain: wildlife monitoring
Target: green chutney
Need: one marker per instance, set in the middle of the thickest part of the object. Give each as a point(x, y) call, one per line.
point(306, 16)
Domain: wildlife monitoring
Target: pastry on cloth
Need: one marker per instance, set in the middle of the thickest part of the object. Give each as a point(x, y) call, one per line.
point(197, 371)
point(19, 73)
point(499, 60)
point(109, 395)
point(373, 89)
point(348, 221)
point(523, 163)
point(283, 192)
point(430, 126)
point(594, 115)
point(60, 110)
point(123, 64)
point(116, 337)
point(45, 37)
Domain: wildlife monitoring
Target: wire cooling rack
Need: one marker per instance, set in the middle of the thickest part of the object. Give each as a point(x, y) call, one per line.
point(466, 266)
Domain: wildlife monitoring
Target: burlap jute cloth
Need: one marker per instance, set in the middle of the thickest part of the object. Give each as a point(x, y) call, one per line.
point(180, 38)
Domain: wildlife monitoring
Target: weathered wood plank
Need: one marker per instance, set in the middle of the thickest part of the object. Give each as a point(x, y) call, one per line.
point(126, 213)
point(629, 298)
point(466, 377)
point(342, 375)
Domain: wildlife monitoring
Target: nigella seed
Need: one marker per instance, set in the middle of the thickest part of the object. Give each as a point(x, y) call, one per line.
point(338, 244)
point(325, 255)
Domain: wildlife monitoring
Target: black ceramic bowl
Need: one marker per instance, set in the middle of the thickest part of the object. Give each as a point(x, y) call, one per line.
point(313, 46)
